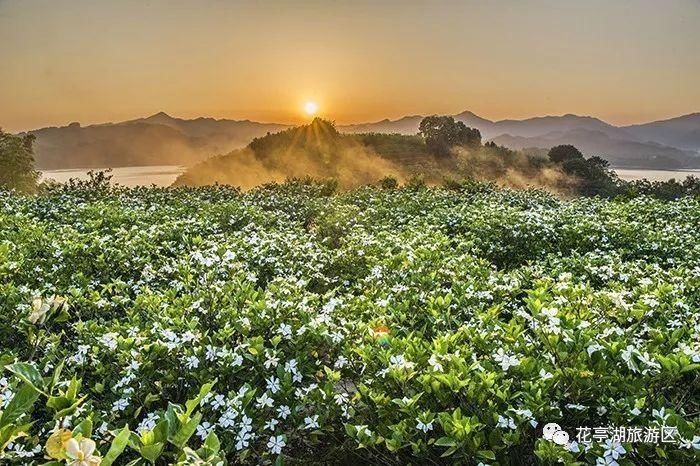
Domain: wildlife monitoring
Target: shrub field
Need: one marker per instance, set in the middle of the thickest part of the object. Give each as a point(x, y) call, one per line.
point(292, 324)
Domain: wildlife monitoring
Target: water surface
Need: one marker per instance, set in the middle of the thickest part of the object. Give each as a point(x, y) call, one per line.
point(164, 175)
point(159, 175)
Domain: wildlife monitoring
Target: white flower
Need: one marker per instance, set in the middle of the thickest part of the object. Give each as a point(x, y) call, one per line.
point(275, 444)
point(120, 405)
point(613, 449)
point(545, 375)
point(109, 340)
point(592, 348)
point(311, 422)
point(219, 401)
point(271, 424)
point(434, 363)
point(340, 362)
point(506, 422)
point(227, 419)
point(271, 361)
point(192, 362)
point(148, 423)
point(212, 353)
point(284, 411)
point(81, 453)
point(246, 424)
point(506, 360)
point(661, 414)
point(243, 440)
point(694, 443)
point(265, 401)
point(273, 384)
point(204, 429)
point(285, 330)
point(291, 366)
point(422, 426)
point(606, 461)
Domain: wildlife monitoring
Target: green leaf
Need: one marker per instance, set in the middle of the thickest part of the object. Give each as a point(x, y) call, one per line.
point(183, 435)
point(690, 368)
point(57, 374)
point(20, 403)
point(212, 444)
point(445, 442)
point(84, 428)
point(192, 404)
point(28, 373)
point(118, 446)
point(152, 452)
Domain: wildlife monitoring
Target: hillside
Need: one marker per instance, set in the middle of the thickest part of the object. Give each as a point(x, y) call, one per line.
point(156, 140)
point(682, 132)
point(318, 150)
point(619, 152)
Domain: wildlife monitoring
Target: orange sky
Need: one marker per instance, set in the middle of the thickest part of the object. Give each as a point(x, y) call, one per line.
point(97, 61)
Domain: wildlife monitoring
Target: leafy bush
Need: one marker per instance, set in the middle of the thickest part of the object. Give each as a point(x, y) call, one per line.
point(386, 326)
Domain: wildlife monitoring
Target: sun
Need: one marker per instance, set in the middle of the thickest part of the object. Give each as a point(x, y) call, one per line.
point(310, 108)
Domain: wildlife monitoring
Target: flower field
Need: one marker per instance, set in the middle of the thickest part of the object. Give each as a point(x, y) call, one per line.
point(294, 325)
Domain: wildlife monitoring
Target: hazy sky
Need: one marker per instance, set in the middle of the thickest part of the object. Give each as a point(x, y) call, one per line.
point(96, 61)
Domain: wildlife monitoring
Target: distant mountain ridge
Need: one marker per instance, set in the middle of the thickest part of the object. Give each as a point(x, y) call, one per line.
point(667, 144)
point(156, 140)
point(161, 139)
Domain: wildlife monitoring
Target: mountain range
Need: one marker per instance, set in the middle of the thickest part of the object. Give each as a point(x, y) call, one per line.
point(165, 140)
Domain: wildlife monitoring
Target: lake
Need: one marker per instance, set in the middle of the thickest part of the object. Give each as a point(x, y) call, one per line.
point(164, 175)
point(629, 174)
point(159, 175)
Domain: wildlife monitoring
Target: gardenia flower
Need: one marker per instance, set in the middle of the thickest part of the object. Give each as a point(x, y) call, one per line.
point(505, 360)
point(81, 453)
point(694, 443)
point(660, 413)
point(120, 405)
point(291, 366)
point(148, 423)
point(506, 422)
point(237, 360)
point(219, 401)
point(613, 449)
point(109, 340)
point(227, 419)
point(311, 422)
point(425, 427)
point(340, 362)
point(434, 363)
point(275, 444)
point(606, 461)
point(285, 330)
point(273, 384)
point(271, 424)
point(271, 361)
point(284, 411)
point(265, 401)
point(243, 440)
point(204, 429)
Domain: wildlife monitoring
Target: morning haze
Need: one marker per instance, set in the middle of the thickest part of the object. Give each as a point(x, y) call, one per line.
point(624, 62)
